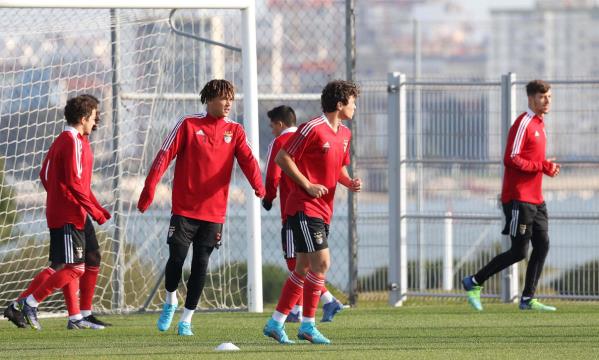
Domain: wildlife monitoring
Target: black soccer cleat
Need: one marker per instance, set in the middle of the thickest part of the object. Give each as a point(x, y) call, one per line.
point(94, 320)
point(15, 316)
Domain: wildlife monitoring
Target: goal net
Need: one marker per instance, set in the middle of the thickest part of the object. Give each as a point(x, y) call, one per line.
point(147, 67)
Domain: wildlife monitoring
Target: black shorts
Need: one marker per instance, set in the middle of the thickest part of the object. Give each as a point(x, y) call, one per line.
point(185, 231)
point(309, 234)
point(522, 218)
point(67, 245)
point(91, 241)
point(287, 242)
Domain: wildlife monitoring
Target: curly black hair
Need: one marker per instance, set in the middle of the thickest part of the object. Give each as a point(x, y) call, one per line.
point(79, 107)
point(215, 88)
point(337, 91)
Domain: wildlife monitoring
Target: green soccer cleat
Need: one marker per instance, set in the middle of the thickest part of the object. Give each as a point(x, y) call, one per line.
point(473, 293)
point(534, 304)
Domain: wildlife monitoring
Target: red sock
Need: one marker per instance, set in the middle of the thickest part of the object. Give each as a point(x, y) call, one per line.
point(290, 293)
point(70, 297)
point(314, 284)
point(58, 280)
point(290, 264)
point(40, 278)
point(87, 286)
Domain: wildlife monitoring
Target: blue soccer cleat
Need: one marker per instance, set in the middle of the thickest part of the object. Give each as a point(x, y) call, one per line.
point(294, 317)
point(308, 331)
point(29, 314)
point(184, 328)
point(330, 309)
point(166, 317)
point(276, 331)
point(473, 293)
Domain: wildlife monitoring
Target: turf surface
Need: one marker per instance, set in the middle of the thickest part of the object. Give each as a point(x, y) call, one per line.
point(438, 331)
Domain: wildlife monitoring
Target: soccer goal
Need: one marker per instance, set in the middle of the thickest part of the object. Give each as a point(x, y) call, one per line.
point(147, 65)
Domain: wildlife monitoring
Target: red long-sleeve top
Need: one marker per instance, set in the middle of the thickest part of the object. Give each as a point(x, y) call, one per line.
point(205, 147)
point(275, 178)
point(524, 160)
point(66, 175)
point(319, 153)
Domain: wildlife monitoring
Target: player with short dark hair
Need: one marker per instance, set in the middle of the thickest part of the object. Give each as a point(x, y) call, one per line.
point(66, 175)
point(523, 205)
point(282, 122)
point(205, 146)
point(315, 159)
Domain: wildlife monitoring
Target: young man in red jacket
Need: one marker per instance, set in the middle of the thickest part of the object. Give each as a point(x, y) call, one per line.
point(522, 199)
point(205, 145)
point(66, 175)
point(315, 159)
point(282, 122)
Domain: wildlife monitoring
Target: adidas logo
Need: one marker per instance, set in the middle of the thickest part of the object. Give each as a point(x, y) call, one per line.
point(537, 134)
point(200, 132)
point(326, 145)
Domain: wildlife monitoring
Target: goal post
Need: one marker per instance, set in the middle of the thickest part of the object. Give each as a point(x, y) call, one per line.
point(157, 97)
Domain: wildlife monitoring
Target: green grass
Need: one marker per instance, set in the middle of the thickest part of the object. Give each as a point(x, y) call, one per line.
point(416, 331)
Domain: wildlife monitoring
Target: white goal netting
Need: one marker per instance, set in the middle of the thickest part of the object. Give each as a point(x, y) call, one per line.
point(49, 55)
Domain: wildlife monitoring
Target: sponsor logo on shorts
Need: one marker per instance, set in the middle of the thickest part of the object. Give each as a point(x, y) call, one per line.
point(522, 229)
point(171, 231)
point(318, 238)
point(78, 252)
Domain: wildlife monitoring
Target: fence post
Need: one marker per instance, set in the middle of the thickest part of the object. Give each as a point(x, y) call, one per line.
point(448, 253)
point(509, 276)
point(118, 275)
point(398, 260)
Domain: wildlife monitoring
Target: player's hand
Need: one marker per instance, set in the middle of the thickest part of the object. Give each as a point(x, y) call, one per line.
point(266, 204)
point(551, 168)
point(101, 220)
point(145, 199)
point(355, 185)
point(317, 190)
point(105, 213)
point(260, 193)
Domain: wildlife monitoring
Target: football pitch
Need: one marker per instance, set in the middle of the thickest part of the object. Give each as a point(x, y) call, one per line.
point(418, 331)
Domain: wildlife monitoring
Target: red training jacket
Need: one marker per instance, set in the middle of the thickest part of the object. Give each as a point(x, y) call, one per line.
point(524, 160)
point(319, 154)
point(205, 148)
point(275, 178)
point(66, 175)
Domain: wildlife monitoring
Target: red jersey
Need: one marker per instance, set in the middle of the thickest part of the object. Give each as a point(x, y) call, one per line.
point(66, 175)
point(275, 178)
point(319, 154)
point(524, 160)
point(205, 148)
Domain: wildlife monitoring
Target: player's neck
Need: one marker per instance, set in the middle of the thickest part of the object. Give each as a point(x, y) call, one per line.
point(334, 120)
point(78, 127)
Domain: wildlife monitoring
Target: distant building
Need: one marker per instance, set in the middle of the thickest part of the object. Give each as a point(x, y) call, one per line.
point(556, 39)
